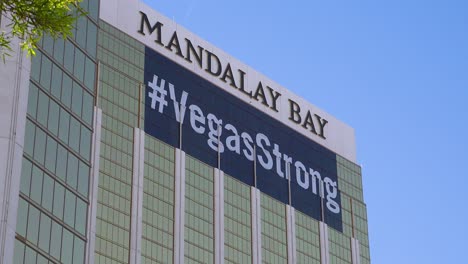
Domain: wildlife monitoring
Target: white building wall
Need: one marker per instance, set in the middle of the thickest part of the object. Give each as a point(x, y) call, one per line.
point(14, 87)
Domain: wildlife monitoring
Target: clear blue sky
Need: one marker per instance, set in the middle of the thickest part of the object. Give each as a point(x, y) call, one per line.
point(396, 71)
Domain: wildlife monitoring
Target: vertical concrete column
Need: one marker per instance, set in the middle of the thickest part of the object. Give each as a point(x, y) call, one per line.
point(14, 88)
point(256, 226)
point(291, 233)
point(324, 246)
point(355, 251)
point(179, 207)
point(93, 185)
point(137, 195)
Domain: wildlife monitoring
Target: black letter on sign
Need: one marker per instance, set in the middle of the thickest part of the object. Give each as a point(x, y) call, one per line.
point(322, 122)
point(294, 112)
point(209, 65)
point(145, 22)
point(174, 42)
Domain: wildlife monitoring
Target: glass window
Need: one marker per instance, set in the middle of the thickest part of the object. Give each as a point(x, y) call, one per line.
point(77, 99)
point(29, 137)
point(36, 184)
point(93, 9)
point(41, 259)
point(89, 74)
point(48, 43)
point(46, 68)
point(44, 232)
point(47, 192)
point(59, 195)
point(39, 146)
point(78, 69)
point(42, 108)
point(25, 176)
point(72, 171)
point(22, 217)
point(83, 179)
point(32, 100)
point(53, 123)
point(33, 227)
point(66, 90)
point(67, 247)
point(81, 216)
point(56, 81)
point(70, 203)
point(30, 256)
point(91, 42)
point(74, 142)
point(80, 36)
point(69, 56)
point(55, 240)
point(51, 154)
point(85, 145)
point(87, 114)
point(64, 125)
point(58, 50)
point(18, 257)
point(78, 251)
point(36, 66)
point(62, 155)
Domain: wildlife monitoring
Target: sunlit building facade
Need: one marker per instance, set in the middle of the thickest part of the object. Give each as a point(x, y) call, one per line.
point(135, 141)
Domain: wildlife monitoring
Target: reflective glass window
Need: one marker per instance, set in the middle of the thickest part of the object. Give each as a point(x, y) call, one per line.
point(51, 154)
point(59, 196)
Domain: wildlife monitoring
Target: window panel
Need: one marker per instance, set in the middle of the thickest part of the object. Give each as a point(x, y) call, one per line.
point(42, 108)
point(44, 232)
point(83, 179)
point(48, 43)
point(62, 156)
point(69, 56)
point(33, 227)
point(87, 114)
point(66, 90)
point(93, 9)
point(22, 217)
point(59, 196)
point(46, 68)
point(77, 99)
point(70, 203)
point(78, 251)
point(58, 50)
point(64, 125)
point(55, 240)
point(36, 66)
point(47, 192)
point(39, 146)
point(54, 112)
point(51, 154)
point(56, 81)
point(41, 259)
point(30, 256)
point(18, 257)
point(85, 145)
point(78, 69)
point(32, 100)
point(81, 209)
point(26, 171)
point(81, 31)
point(30, 133)
point(89, 74)
point(67, 247)
point(74, 142)
point(72, 171)
point(36, 184)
